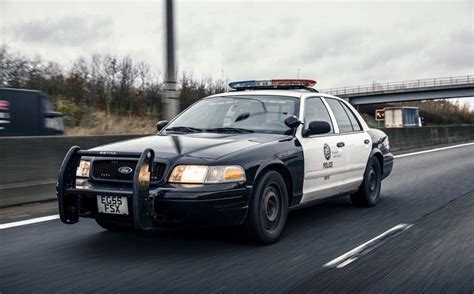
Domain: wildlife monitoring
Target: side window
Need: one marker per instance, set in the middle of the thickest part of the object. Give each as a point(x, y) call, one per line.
point(355, 123)
point(316, 110)
point(342, 119)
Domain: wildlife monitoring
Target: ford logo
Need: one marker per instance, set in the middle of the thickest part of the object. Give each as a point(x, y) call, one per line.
point(125, 170)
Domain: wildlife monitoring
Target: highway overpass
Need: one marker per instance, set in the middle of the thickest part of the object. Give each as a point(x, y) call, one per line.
point(436, 88)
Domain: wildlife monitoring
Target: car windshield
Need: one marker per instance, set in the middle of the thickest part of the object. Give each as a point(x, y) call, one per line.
point(237, 114)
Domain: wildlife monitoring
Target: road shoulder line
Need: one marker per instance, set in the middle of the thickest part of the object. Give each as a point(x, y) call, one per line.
point(433, 150)
point(354, 254)
point(29, 221)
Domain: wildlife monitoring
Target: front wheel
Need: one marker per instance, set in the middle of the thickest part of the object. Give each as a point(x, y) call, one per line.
point(268, 208)
point(369, 191)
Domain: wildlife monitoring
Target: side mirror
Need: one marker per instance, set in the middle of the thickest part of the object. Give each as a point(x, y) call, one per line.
point(161, 124)
point(292, 122)
point(317, 128)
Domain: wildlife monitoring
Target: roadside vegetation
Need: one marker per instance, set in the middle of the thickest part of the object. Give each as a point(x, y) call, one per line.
point(106, 94)
point(101, 93)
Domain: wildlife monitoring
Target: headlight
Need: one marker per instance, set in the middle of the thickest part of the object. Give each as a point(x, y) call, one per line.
point(54, 123)
point(202, 174)
point(83, 169)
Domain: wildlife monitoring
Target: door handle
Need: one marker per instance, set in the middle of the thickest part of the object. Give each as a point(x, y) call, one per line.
point(366, 141)
point(340, 144)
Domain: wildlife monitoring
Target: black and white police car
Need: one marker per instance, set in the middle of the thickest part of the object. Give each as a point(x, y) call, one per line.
point(245, 157)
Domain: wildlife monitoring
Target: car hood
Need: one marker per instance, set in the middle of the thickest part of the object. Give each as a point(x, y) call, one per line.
point(200, 145)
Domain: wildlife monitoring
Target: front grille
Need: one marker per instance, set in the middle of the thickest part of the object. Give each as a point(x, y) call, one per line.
point(108, 169)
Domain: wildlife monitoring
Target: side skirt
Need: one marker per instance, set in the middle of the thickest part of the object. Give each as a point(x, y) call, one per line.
point(318, 201)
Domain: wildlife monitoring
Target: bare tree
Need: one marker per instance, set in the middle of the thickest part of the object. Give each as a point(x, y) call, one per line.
point(111, 71)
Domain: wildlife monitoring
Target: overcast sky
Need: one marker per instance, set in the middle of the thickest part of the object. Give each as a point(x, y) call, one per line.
point(338, 43)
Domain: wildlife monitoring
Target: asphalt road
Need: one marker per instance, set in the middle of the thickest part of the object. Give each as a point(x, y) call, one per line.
point(434, 192)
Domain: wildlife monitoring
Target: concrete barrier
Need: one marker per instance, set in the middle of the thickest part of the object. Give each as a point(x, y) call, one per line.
point(31, 159)
point(412, 138)
point(30, 164)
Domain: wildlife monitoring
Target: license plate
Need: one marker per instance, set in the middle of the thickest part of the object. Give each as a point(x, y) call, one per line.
point(112, 204)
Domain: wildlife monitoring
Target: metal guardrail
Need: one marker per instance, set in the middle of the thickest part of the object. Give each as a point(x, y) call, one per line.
point(401, 86)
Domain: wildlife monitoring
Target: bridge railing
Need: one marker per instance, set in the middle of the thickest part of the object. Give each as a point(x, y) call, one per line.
point(400, 86)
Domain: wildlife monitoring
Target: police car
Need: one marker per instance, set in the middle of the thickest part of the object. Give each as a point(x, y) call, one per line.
point(244, 157)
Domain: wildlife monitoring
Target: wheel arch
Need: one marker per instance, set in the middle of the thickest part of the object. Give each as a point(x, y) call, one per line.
point(377, 154)
point(285, 173)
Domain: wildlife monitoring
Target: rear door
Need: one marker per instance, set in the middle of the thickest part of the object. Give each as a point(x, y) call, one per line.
point(324, 161)
point(356, 143)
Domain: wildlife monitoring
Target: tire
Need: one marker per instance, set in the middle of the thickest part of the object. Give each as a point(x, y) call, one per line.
point(113, 226)
point(369, 191)
point(268, 209)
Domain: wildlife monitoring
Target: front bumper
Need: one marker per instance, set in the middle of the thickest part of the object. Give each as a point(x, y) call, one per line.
point(217, 205)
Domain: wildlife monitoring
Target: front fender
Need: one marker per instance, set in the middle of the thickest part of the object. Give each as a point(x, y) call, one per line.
point(292, 172)
point(266, 165)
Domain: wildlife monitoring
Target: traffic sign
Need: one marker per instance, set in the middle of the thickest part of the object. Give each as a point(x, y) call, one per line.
point(380, 114)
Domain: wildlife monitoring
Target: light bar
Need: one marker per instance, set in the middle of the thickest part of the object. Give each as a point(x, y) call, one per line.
point(272, 84)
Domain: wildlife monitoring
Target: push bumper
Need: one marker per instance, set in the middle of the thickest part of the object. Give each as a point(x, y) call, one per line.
point(70, 195)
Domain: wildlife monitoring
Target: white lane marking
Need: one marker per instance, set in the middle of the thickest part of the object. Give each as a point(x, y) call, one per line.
point(29, 221)
point(365, 248)
point(433, 150)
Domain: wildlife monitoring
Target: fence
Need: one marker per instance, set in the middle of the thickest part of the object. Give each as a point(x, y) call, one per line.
point(401, 86)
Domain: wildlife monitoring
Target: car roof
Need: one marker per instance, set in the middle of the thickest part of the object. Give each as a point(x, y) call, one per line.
point(20, 90)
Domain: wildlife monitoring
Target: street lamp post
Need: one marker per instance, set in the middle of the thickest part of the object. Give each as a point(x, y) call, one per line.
point(171, 99)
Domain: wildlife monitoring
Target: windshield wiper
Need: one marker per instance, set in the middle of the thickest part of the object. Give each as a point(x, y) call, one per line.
point(184, 129)
point(229, 130)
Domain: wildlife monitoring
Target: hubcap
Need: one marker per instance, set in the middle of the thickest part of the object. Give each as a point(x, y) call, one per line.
point(271, 207)
point(373, 182)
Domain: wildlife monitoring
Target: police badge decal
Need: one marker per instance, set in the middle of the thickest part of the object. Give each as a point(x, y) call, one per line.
point(327, 151)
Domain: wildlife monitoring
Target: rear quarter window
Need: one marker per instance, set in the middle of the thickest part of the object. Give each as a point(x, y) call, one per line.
point(343, 121)
point(354, 121)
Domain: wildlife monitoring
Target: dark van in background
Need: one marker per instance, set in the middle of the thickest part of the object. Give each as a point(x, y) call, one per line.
point(28, 113)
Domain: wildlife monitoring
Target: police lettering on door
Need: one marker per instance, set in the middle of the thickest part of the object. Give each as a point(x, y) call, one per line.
point(327, 155)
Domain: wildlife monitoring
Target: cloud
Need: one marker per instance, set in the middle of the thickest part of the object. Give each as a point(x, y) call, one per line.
point(66, 31)
point(338, 43)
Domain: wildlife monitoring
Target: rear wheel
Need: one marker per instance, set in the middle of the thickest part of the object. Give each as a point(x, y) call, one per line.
point(268, 208)
point(113, 226)
point(369, 191)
